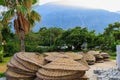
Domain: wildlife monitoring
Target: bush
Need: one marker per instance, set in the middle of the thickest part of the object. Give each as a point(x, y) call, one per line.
point(53, 48)
point(11, 48)
point(1, 54)
point(112, 53)
point(2, 75)
point(31, 48)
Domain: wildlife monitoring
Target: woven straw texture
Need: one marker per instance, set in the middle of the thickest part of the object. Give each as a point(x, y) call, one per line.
point(99, 61)
point(77, 75)
point(83, 61)
point(105, 55)
point(12, 78)
point(21, 72)
point(16, 75)
point(98, 56)
point(74, 56)
point(88, 57)
point(56, 73)
point(82, 78)
point(51, 53)
point(91, 62)
point(15, 69)
point(28, 65)
point(18, 65)
point(31, 57)
point(93, 52)
point(66, 64)
point(54, 57)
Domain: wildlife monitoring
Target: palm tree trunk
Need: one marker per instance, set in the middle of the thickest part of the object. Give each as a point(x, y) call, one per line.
point(21, 31)
point(22, 40)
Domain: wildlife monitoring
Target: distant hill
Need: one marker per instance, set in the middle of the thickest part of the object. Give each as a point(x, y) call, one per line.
point(69, 17)
point(118, 12)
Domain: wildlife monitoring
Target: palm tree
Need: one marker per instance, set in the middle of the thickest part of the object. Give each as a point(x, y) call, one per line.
point(24, 17)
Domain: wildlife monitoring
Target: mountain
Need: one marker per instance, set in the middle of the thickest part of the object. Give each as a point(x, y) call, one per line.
point(66, 17)
point(118, 12)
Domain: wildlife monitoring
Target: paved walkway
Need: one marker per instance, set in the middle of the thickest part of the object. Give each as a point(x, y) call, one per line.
point(100, 66)
point(2, 78)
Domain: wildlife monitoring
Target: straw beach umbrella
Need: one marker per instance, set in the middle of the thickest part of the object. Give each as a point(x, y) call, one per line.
point(51, 53)
point(66, 64)
point(77, 57)
point(33, 58)
point(89, 58)
point(62, 69)
point(15, 66)
point(105, 56)
point(55, 56)
point(99, 58)
point(23, 66)
point(74, 56)
point(10, 75)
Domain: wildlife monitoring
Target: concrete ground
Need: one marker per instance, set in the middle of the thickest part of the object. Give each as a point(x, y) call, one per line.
point(100, 66)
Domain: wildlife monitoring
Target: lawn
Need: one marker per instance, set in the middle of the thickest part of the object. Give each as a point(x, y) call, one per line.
point(3, 66)
point(113, 57)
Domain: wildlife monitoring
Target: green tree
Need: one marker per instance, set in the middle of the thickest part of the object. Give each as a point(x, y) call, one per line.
point(49, 36)
point(113, 29)
point(24, 16)
point(91, 36)
point(111, 35)
point(73, 37)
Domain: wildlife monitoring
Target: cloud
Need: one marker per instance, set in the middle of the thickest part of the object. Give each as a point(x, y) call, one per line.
point(2, 9)
point(111, 5)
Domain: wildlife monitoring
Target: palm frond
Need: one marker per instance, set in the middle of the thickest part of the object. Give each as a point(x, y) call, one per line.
point(8, 16)
point(31, 21)
point(22, 9)
point(10, 3)
point(1, 26)
point(2, 2)
point(28, 3)
point(34, 1)
point(35, 16)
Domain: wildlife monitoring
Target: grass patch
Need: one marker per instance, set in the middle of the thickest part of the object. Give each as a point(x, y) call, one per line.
point(113, 57)
point(2, 75)
point(5, 60)
point(3, 66)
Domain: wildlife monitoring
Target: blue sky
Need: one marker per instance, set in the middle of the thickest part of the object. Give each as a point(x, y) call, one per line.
point(111, 5)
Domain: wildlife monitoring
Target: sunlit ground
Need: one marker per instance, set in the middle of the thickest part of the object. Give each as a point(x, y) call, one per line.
point(3, 66)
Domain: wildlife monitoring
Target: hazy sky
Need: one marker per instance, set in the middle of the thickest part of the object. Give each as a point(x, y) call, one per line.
point(111, 5)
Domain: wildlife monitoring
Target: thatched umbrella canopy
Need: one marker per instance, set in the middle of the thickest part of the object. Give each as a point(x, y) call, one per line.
point(55, 56)
point(66, 64)
point(74, 56)
point(89, 58)
point(62, 69)
point(105, 56)
point(51, 53)
point(10, 75)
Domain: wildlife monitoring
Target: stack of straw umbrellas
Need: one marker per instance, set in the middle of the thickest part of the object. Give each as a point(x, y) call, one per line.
point(100, 56)
point(105, 56)
point(52, 66)
point(89, 58)
point(63, 69)
point(23, 66)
